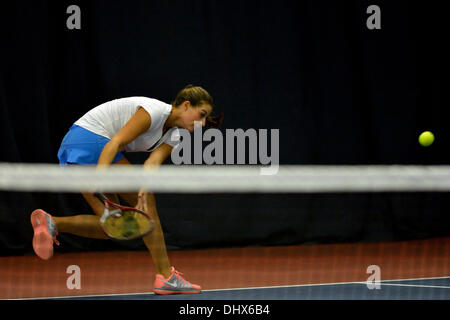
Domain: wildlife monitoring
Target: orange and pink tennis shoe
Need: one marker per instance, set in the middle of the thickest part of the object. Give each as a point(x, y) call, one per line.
point(45, 233)
point(175, 284)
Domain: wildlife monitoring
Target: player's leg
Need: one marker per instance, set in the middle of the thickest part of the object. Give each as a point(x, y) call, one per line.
point(45, 226)
point(87, 225)
point(167, 280)
point(154, 242)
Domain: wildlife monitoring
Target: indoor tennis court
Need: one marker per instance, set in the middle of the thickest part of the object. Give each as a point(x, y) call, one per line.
point(243, 152)
point(410, 270)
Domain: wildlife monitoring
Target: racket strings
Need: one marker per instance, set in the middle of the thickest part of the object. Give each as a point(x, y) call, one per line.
point(128, 225)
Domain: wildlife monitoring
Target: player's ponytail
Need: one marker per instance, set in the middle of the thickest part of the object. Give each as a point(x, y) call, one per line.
point(214, 121)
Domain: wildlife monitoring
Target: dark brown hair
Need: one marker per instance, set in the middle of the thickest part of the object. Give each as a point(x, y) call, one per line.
point(197, 96)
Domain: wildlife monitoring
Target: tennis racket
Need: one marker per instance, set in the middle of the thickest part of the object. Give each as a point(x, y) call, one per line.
point(124, 223)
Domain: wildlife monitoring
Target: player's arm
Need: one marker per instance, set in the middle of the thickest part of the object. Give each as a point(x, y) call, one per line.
point(138, 124)
point(158, 156)
point(155, 159)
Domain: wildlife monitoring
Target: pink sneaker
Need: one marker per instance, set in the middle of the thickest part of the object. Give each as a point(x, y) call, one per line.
point(175, 284)
point(44, 234)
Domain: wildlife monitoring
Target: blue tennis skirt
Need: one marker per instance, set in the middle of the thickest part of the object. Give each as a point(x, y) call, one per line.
point(81, 146)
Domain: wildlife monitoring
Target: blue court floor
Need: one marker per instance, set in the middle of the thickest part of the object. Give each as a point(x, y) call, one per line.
point(408, 289)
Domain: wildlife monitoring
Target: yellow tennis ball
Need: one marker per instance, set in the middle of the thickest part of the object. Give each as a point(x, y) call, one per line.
point(426, 138)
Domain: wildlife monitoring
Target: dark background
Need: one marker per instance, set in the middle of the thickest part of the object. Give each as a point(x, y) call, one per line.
point(338, 92)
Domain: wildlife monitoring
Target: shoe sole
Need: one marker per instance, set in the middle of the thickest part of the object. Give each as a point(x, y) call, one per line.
point(167, 292)
point(42, 240)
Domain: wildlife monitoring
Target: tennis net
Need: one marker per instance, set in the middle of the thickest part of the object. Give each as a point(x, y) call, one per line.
point(236, 179)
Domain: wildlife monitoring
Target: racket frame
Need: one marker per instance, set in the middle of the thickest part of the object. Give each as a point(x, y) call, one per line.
point(108, 204)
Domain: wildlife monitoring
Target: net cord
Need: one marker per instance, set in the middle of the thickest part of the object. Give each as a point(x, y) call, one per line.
point(223, 178)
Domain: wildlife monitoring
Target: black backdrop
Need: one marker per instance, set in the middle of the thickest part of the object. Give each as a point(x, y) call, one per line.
point(338, 92)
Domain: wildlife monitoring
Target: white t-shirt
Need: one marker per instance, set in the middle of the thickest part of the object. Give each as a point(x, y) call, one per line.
point(108, 118)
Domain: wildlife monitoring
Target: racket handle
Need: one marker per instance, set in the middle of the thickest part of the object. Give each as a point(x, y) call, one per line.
point(100, 196)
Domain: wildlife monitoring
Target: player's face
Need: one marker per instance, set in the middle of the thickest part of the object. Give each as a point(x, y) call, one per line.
point(193, 114)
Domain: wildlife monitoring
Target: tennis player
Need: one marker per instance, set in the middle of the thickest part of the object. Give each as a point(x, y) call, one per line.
point(101, 137)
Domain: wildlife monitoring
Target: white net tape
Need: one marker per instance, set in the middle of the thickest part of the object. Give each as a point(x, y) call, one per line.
point(216, 179)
